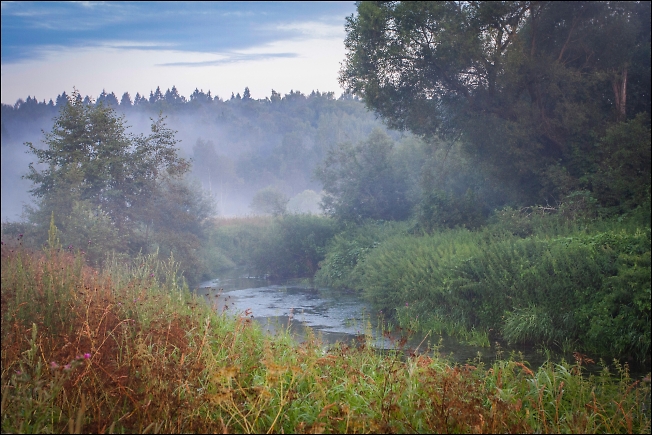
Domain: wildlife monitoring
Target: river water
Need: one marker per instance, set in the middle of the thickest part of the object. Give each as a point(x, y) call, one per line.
point(334, 316)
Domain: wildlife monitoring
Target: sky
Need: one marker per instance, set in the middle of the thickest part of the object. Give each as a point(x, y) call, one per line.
point(50, 47)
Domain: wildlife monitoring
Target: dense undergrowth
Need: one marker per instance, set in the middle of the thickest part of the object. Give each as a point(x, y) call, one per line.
point(530, 276)
point(130, 349)
point(284, 247)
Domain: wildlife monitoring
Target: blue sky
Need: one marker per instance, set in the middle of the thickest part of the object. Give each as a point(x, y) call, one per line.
point(48, 48)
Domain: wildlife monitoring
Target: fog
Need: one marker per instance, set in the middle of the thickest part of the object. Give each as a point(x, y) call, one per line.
point(237, 147)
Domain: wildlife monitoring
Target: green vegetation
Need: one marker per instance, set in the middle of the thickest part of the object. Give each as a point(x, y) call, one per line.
point(283, 247)
point(586, 283)
point(518, 205)
point(108, 190)
point(131, 350)
point(525, 87)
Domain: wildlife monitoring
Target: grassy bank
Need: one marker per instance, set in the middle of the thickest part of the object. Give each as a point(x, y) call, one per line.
point(540, 279)
point(131, 350)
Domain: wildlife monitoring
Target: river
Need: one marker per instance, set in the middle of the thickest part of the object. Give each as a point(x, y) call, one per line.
point(335, 316)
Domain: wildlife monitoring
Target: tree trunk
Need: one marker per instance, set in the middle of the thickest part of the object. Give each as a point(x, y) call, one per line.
point(619, 85)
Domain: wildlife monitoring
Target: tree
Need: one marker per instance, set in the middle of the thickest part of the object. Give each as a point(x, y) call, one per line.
point(524, 85)
point(93, 165)
point(173, 96)
point(269, 201)
point(157, 96)
point(362, 181)
point(62, 99)
point(107, 99)
point(125, 101)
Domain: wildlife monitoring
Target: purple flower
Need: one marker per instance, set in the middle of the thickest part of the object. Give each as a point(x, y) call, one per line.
point(67, 367)
point(406, 304)
point(151, 275)
point(87, 356)
point(18, 372)
point(54, 365)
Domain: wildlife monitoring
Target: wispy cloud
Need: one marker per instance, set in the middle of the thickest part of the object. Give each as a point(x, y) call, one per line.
point(232, 58)
point(312, 29)
point(135, 46)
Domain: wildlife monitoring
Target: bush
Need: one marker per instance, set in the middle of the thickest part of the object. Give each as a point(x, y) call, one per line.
point(341, 267)
point(293, 246)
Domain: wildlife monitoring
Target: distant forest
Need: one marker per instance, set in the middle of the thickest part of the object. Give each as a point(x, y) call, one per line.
point(238, 146)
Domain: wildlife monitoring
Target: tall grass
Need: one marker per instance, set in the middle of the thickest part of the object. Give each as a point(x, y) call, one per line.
point(560, 281)
point(129, 349)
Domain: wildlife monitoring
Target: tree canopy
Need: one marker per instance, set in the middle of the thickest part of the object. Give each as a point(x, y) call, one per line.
point(526, 86)
point(364, 181)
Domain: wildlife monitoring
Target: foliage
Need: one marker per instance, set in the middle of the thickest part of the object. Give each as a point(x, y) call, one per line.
point(237, 238)
point(269, 201)
point(363, 182)
point(624, 161)
point(136, 352)
point(283, 247)
point(441, 209)
point(109, 190)
point(526, 86)
point(292, 246)
point(342, 265)
point(589, 285)
point(90, 157)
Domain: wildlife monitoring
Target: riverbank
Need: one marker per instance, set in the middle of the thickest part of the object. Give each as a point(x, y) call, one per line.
point(130, 349)
point(537, 276)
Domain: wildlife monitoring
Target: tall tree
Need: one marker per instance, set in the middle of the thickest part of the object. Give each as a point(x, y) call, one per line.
point(362, 181)
point(90, 158)
point(526, 85)
point(125, 101)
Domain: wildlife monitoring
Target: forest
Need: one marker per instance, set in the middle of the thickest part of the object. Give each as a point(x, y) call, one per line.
point(484, 175)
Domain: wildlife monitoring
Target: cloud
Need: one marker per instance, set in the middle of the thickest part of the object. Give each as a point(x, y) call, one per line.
point(312, 29)
point(211, 46)
point(231, 58)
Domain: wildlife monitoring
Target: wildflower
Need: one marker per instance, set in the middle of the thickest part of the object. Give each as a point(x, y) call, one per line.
point(67, 367)
point(87, 355)
point(18, 372)
point(20, 236)
point(54, 365)
point(406, 304)
point(151, 275)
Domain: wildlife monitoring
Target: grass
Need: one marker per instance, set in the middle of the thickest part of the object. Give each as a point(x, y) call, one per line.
point(130, 349)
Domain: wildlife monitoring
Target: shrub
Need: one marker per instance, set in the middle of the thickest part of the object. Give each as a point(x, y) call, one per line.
point(341, 267)
point(293, 246)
